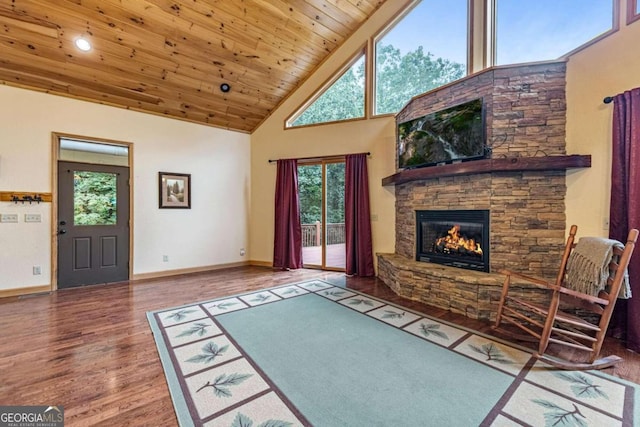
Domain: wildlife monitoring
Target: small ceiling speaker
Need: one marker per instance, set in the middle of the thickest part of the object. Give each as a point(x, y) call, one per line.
point(225, 87)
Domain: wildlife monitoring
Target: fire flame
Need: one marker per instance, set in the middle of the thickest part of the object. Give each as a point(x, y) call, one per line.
point(454, 242)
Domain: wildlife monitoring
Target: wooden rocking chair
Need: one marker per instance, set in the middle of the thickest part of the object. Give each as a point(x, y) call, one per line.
point(558, 321)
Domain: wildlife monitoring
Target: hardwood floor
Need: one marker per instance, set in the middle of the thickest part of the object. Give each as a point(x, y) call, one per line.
point(91, 350)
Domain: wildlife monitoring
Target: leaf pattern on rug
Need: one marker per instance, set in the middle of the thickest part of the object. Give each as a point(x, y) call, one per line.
point(432, 329)
point(291, 291)
point(358, 301)
point(179, 315)
point(209, 353)
point(558, 416)
point(221, 384)
point(334, 293)
point(390, 314)
point(223, 305)
point(493, 353)
point(197, 328)
point(581, 385)
point(316, 285)
point(242, 420)
point(261, 298)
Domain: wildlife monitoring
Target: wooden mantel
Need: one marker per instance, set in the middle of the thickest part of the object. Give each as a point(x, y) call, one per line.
point(513, 164)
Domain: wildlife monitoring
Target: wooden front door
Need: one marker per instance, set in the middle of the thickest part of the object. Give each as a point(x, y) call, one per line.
point(93, 224)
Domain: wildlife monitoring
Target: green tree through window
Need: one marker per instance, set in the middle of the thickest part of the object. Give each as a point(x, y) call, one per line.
point(424, 49)
point(310, 193)
point(341, 101)
point(94, 198)
point(400, 77)
point(335, 193)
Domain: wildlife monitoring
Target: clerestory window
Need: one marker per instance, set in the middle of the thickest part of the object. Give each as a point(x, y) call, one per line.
point(555, 29)
point(439, 41)
point(424, 49)
point(341, 98)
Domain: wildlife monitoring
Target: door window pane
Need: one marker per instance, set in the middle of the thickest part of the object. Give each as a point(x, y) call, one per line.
point(94, 198)
point(335, 236)
point(310, 194)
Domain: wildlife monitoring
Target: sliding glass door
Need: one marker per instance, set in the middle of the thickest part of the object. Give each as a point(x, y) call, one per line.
point(321, 190)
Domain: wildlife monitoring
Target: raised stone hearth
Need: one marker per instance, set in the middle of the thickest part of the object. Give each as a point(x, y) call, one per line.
point(525, 118)
point(471, 293)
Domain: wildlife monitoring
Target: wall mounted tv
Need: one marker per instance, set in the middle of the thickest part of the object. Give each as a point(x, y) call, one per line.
point(454, 134)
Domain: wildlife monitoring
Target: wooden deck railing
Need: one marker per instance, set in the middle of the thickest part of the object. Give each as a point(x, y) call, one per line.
point(312, 234)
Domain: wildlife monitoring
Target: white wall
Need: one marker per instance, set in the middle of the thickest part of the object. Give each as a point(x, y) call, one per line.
point(210, 233)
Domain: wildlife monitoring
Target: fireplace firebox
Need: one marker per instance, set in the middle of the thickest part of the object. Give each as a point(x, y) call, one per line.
point(457, 238)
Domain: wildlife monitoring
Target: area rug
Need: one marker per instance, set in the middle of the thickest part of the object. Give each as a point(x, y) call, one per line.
point(313, 354)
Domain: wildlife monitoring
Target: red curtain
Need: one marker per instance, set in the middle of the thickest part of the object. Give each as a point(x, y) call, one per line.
point(625, 206)
point(357, 217)
point(287, 245)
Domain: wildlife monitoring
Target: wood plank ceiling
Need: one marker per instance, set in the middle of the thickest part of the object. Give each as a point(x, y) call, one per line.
point(169, 57)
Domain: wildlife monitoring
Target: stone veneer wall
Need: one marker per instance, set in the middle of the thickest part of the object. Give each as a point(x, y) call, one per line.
point(525, 116)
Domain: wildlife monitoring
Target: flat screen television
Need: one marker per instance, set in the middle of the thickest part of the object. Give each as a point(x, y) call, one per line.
point(454, 134)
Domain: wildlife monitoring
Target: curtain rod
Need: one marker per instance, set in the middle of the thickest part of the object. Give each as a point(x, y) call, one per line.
point(318, 157)
point(608, 99)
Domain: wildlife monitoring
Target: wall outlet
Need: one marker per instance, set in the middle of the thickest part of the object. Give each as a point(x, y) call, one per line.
point(9, 218)
point(33, 217)
point(165, 258)
point(37, 270)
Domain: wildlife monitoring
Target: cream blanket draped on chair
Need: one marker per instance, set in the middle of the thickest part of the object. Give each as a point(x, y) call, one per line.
point(588, 266)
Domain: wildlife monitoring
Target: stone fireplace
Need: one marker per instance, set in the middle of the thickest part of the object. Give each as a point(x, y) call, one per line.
point(521, 188)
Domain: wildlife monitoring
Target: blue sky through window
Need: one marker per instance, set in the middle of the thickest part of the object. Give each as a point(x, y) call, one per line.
point(532, 30)
point(548, 29)
point(438, 25)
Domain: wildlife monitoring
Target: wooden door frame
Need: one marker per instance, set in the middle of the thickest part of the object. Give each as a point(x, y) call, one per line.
point(55, 149)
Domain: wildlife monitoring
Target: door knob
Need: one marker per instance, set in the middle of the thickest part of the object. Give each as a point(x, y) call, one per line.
point(63, 231)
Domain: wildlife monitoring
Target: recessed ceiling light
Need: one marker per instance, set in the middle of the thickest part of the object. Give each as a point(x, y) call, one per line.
point(225, 87)
point(83, 44)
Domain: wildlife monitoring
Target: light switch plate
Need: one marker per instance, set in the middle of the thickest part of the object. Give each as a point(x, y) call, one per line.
point(9, 218)
point(33, 217)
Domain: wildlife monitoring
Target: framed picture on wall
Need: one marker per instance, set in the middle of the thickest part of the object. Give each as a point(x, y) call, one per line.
point(174, 190)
